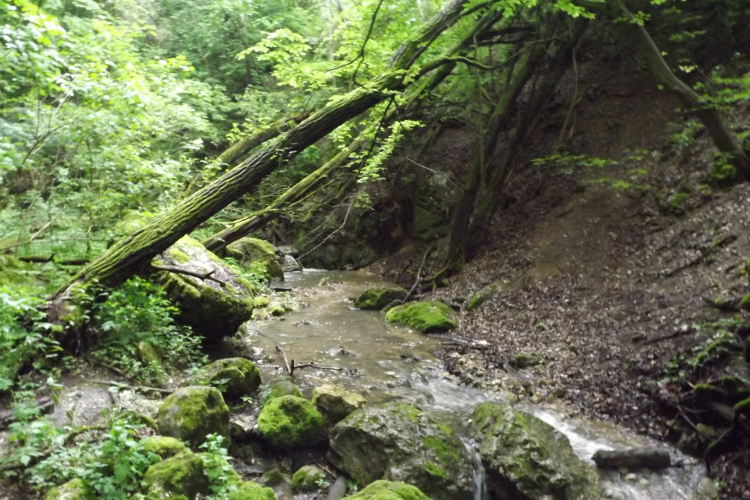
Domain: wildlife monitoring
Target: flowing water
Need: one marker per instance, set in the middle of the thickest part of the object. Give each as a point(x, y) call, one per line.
point(358, 350)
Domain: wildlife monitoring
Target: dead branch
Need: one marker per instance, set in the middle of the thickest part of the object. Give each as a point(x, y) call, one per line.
point(179, 270)
point(135, 387)
point(419, 277)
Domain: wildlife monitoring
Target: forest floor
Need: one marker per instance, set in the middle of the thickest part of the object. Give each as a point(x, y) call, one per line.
point(603, 272)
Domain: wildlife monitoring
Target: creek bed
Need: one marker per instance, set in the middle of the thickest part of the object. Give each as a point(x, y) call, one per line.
point(385, 362)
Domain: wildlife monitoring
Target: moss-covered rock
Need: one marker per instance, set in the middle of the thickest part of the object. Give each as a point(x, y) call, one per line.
point(178, 477)
point(478, 298)
point(247, 250)
point(378, 298)
point(164, 446)
point(402, 443)
point(388, 490)
point(425, 317)
point(248, 490)
point(526, 360)
point(212, 308)
point(192, 413)
point(335, 402)
point(308, 478)
point(240, 377)
point(274, 478)
point(523, 454)
point(72, 490)
point(278, 389)
point(290, 422)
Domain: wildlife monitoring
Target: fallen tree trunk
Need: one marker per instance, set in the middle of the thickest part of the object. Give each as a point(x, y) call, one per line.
point(134, 253)
point(257, 220)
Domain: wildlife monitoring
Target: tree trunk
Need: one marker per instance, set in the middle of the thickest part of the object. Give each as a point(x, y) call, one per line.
point(134, 253)
point(479, 202)
point(723, 139)
point(309, 184)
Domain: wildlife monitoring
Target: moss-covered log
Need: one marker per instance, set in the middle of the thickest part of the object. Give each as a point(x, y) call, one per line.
point(134, 253)
point(257, 220)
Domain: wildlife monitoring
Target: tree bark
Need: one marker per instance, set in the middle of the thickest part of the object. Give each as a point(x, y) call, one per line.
point(479, 201)
point(723, 139)
point(134, 253)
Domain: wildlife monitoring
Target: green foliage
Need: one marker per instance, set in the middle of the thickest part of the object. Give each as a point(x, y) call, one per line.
point(254, 273)
point(24, 335)
point(139, 311)
point(721, 345)
point(216, 468)
point(722, 172)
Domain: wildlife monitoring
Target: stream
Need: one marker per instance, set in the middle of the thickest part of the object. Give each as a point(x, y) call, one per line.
point(383, 362)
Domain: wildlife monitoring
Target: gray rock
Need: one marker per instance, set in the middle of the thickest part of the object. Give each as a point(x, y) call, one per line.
point(288, 250)
point(335, 402)
point(527, 459)
point(402, 444)
point(290, 264)
point(247, 250)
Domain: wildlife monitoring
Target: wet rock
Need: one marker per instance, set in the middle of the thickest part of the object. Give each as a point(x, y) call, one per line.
point(275, 478)
point(391, 305)
point(707, 490)
point(212, 310)
point(241, 377)
point(478, 298)
point(192, 413)
point(242, 427)
point(290, 422)
point(387, 490)
point(181, 474)
point(164, 446)
point(259, 252)
point(378, 298)
point(425, 317)
point(308, 478)
point(526, 458)
point(338, 488)
point(335, 402)
point(72, 490)
point(290, 265)
point(402, 444)
point(637, 458)
point(248, 490)
point(278, 389)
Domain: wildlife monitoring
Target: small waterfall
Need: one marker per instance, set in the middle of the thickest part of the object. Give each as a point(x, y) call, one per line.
point(479, 480)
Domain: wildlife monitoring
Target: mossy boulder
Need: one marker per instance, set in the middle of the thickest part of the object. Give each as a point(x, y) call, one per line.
point(278, 389)
point(213, 309)
point(164, 446)
point(240, 377)
point(179, 477)
point(528, 459)
point(378, 298)
point(290, 422)
point(335, 402)
point(398, 442)
point(72, 490)
point(192, 413)
point(388, 490)
point(248, 490)
point(308, 478)
point(425, 317)
point(526, 360)
point(247, 250)
point(478, 298)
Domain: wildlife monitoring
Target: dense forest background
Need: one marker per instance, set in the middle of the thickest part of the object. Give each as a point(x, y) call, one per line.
point(421, 139)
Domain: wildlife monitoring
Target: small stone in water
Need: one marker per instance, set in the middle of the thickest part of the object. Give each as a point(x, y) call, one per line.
point(631, 477)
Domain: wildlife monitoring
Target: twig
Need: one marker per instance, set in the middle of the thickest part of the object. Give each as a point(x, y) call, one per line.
point(313, 365)
point(434, 172)
point(419, 274)
point(330, 235)
point(286, 361)
point(678, 333)
point(112, 369)
point(179, 270)
point(132, 387)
